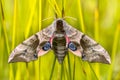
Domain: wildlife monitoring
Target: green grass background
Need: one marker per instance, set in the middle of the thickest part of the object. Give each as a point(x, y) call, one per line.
point(99, 19)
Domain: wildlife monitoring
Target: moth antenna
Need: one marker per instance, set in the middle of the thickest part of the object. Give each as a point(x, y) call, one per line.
point(63, 12)
point(75, 19)
point(47, 18)
point(56, 16)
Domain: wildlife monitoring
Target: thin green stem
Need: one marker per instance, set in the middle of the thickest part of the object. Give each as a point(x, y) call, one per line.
point(30, 18)
point(61, 71)
point(114, 50)
point(27, 72)
point(93, 71)
point(67, 71)
point(4, 28)
point(52, 69)
point(81, 15)
point(55, 7)
point(11, 76)
point(74, 68)
point(96, 34)
point(40, 14)
point(84, 69)
point(14, 23)
point(69, 67)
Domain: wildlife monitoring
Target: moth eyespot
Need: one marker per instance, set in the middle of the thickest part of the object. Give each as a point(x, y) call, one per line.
point(46, 46)
point(72, 46)
point(35, 56)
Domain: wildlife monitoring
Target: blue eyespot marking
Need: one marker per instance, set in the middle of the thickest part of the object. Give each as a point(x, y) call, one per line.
point(46, 46)
point(72, 46)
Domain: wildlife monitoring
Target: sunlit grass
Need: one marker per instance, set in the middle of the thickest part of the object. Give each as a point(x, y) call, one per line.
point(96, 35)
point(81, 16)
point(114, 50)
point(20, 19)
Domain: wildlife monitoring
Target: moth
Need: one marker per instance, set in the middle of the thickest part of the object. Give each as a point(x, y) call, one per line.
point(61, 38)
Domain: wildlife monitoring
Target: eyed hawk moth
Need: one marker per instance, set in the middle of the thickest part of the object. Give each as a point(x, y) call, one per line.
point(61, 38)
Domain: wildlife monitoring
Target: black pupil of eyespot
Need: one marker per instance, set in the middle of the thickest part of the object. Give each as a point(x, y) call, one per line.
point(72, 46)
point(46, 46)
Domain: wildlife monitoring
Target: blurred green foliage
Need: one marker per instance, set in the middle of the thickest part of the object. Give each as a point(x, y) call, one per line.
point(99, 19)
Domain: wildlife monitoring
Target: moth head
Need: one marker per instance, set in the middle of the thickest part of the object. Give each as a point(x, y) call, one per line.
point(59, 25)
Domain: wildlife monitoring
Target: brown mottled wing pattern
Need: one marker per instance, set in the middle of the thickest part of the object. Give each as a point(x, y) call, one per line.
point(87, 48)
point(28, 49)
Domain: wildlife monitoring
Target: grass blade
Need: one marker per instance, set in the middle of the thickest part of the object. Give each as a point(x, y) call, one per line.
point(52, 69)
point(14, 24)
point(11, 76)
point(81, 16)
point(4, 29)
point(69, 67)
point(30, 18)
point(114, 50)
point(74, 68)
point(55, 7)
point(96, 35)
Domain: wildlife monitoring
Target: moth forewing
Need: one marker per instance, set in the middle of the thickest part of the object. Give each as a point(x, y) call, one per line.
point(90, 50)
point(93, 52)
point(28, 50)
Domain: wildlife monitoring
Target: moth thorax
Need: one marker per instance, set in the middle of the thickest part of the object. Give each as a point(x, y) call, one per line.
point(59, 35)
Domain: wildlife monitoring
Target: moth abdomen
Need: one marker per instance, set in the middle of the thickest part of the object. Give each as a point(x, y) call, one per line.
point(59, 46)
point(60, 55)
point(60, 52)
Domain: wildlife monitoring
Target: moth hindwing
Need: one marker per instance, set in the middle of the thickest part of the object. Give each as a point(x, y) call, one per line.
point(61, 38)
